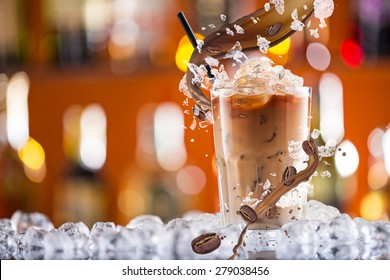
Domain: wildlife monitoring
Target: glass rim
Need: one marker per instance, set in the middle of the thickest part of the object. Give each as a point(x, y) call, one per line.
point(302, 90)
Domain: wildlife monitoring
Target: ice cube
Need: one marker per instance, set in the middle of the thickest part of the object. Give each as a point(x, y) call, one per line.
point(176, 240)
point(8, 244)
point(58, 246)
point(314, 33)
point(212, 61)
point(338, 239)
point(24, 220)
point(291, 80)
point(236, 53)
point(322, 23)
point(98, 233)
point(279, 5)
point(101, 228)
point(326, 174)
point(229, 32)
point(211, 219)
point(338, 251)
point(317, 210)
point(263, 44)
point(297, 25)
point(295, 149)
point(329, 149)
point(19, 253)
point(294, 14)
point(374, 239)
point(152, 227)
point(298, 240)
point(229, 236)
point(75, 230)
point(193, 124)
point(183, 87)
point(323, 8)
point(267, 6)
point(79, 233)
point(239, 29)
point(33, 244)
point(122, 244)
point(199, 45)
point(223, 17)
point(129, 244)
point(315, 133)
point(257, 241)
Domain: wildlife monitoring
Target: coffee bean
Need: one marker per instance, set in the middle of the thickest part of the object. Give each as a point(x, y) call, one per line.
point(287, 174)
point(272, 30)
point(206, 243)
point(308, 148)
point(214, 50)
point(199, 113)
point(248, 214)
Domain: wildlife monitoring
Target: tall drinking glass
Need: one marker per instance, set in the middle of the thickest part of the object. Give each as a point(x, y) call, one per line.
point(256, 131)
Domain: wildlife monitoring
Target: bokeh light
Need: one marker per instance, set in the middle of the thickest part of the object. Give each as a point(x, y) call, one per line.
point(374, 142)
point(386, 150)
point(93, 125)
point(33, 157)
point(184, 52)
point(351, 53)
point(377, 175)
point(32, 154)
point(318, 56)
point(373, 206)
point(17, 110)
point(169, 136)
point(131, 203)
point(281, 48)
point(191, 180)
point(331, 108)
point(346, 159)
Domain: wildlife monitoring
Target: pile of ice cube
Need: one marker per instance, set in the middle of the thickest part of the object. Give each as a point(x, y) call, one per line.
point(326, 234)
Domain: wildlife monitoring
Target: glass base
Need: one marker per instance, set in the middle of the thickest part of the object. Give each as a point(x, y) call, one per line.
point(262, 244)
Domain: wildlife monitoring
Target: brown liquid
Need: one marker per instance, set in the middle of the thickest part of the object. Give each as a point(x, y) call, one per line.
point(251, 134)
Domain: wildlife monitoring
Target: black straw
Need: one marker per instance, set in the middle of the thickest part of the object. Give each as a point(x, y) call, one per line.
point(191, 36)
point(187, 29)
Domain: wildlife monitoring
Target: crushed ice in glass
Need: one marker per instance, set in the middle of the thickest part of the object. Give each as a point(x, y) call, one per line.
point(325, 234)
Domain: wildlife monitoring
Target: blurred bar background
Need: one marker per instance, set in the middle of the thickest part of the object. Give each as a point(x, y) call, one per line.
point(94, 128)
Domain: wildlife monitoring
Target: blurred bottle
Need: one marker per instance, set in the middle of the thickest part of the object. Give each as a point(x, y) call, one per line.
point(17, 190)
point(374, 26)
point(81, 191)
point(149, 184)
point(65, 22)
point(11, 33)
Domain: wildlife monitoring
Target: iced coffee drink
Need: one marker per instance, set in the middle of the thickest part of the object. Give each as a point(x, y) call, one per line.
point(260, 118)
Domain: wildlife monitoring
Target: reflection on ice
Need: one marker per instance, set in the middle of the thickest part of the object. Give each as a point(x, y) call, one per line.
point(329, 235)
point(326, 234)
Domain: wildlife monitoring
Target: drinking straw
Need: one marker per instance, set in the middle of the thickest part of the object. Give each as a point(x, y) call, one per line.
point(191, 36)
